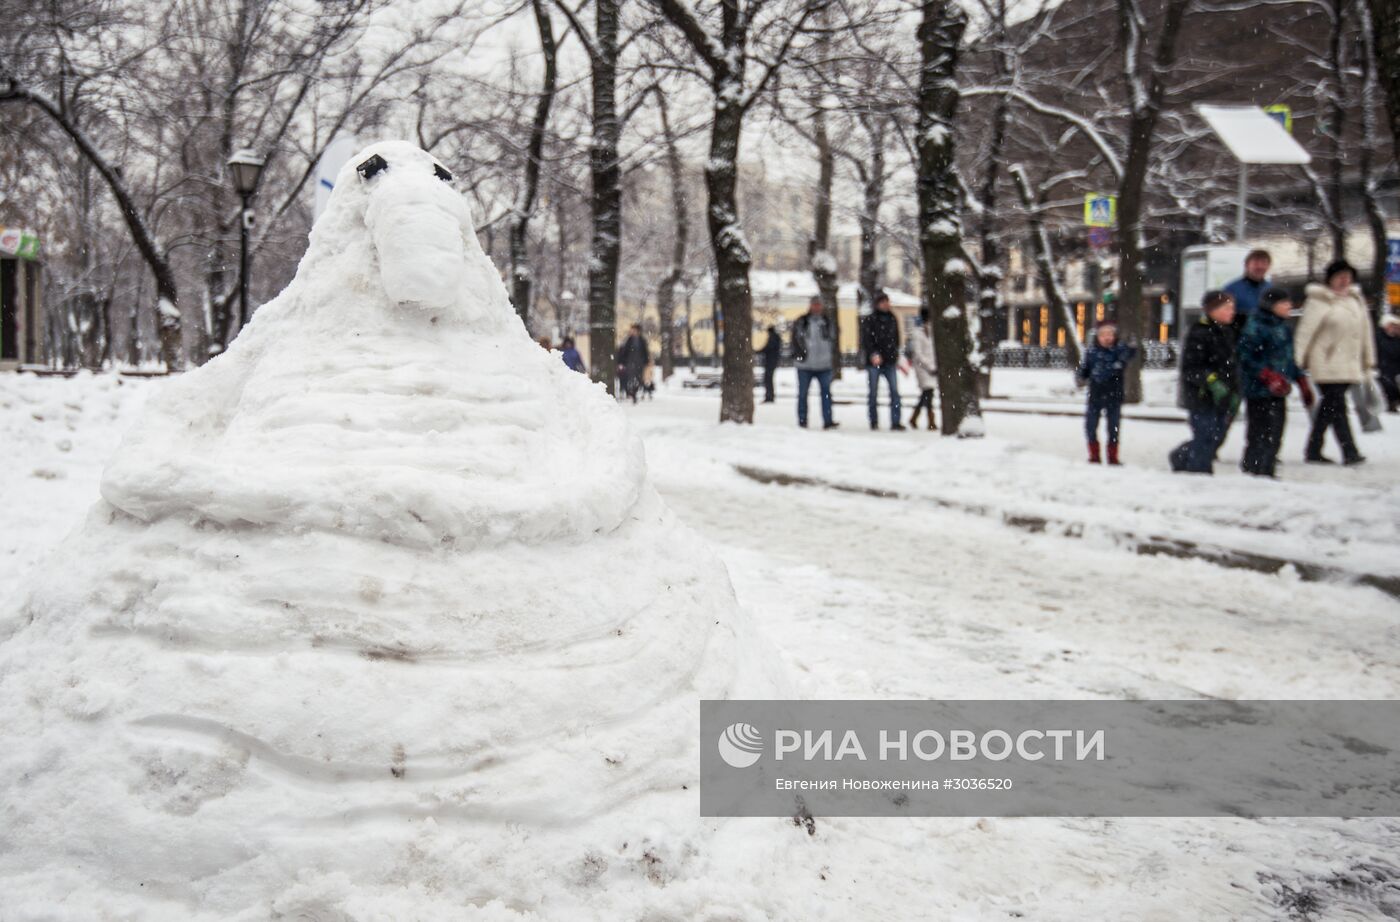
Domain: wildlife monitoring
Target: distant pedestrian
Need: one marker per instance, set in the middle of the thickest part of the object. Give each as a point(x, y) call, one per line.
point(1247, 289)
point(573, 359)
point(772, 354)
point(879, 339)
point(813, 341)
point(1209, 383)
point(649, 381)
point(1102, 370)
point(1388, 360)
point(1266, 370)
point(925, 362)
point(632, 358)
point(1335, 347)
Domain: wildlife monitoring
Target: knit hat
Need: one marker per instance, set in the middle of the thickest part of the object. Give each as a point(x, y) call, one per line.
point(1272, 296)
point(1336, 266)
point(1215, 298)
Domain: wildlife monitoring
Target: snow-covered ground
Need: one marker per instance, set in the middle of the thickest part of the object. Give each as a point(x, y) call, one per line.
point(908, 565)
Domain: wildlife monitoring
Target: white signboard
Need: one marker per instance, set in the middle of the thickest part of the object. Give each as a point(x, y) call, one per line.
point(1253, 135)
point(332, 159)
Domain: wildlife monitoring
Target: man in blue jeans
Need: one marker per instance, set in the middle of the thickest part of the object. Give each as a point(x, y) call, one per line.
point(812, 348)
point(879, 340)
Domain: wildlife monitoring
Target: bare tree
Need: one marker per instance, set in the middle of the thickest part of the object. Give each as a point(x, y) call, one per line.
point(522, 275)
point(1385, 15)
point(603, 48)
point(945, 272)
point(167, 292)
point(1145, 75)
point(666, 291)
point(1034, 205)
point(725, 56)
point(1369, 174)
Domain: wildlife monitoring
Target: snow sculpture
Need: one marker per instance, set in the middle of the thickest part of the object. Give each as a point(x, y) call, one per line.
point(384, 569)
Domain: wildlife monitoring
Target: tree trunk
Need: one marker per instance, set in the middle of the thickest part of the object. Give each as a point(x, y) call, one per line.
point(1045, 262)
point(872, 197)
point(666, 293)
point(1336, 130)
point(607, 202)
point(990, 275)
point(1370, 140)
point(731, 252)
point(521, 273)
point(940, 35)
point(821, 262)
point(172, 350)
point(1146, 90)
point(1385, 28)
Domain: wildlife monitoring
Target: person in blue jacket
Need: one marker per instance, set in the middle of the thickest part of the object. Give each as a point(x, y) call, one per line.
point(572, 357)
point(1247, 289)
point(1102, 370)
point(1266, 372)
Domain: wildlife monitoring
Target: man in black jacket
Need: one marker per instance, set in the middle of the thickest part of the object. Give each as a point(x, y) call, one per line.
point(879, 339)
point(772, 354)
point(1210, 383)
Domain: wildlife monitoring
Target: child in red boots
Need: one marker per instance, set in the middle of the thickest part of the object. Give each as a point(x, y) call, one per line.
point(1102, 370)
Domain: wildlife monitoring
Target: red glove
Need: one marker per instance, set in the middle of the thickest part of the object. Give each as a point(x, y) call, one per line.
point(1305, 389)
point(1275, 382)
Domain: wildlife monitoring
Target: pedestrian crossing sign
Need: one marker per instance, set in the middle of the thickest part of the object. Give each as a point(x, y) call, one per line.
point(1100, 210)
point(1281, 114)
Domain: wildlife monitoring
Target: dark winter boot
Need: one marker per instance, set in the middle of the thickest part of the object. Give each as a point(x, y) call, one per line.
point(1094, 457)
point(1113, 453)
point(914, 419)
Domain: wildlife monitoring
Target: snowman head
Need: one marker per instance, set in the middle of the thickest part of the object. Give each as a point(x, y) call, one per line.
point(419, 227)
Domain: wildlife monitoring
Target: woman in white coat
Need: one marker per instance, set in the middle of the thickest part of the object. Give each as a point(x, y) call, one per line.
point(1333, 344)
point(921, 356)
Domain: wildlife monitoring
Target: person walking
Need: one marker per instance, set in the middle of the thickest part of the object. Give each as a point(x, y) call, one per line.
point(925, 362)
point(1247, 289)
point(879, 340)
point(573, 359)
point(1335, 347)
point(1388, 360)
point(1209, 383)
point(813, 341)
point(632, 358)
point(1102, 370)
point(772, 354)
point(1267, 369)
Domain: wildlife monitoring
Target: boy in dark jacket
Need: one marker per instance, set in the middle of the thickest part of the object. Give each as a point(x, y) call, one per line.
point(1102, 371)
point(1266, 370)
point(1210, 383)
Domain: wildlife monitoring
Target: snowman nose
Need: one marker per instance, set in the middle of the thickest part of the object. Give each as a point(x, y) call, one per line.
point(417, 222)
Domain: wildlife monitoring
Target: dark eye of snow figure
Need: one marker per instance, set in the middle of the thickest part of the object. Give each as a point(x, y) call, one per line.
point(441, 172)
point(372, 167)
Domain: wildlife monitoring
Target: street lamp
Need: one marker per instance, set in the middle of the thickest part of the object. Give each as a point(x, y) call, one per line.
point(245, 166)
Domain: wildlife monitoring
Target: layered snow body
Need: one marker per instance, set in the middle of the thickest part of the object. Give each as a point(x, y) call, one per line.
point(380, 582)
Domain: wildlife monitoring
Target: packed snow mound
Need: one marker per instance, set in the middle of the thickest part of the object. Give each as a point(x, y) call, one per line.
point(384, 570)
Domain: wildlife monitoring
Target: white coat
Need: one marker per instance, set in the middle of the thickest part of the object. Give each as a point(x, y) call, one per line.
point(1334, 343)
point(921, 356)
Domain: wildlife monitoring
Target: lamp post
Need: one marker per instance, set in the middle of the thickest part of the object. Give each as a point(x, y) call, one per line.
point(245, 166)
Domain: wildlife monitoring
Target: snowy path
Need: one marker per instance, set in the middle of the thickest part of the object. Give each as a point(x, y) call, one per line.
point(872, 597)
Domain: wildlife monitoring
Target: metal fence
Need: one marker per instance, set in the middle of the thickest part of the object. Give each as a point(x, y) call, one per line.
point(1156, 355)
